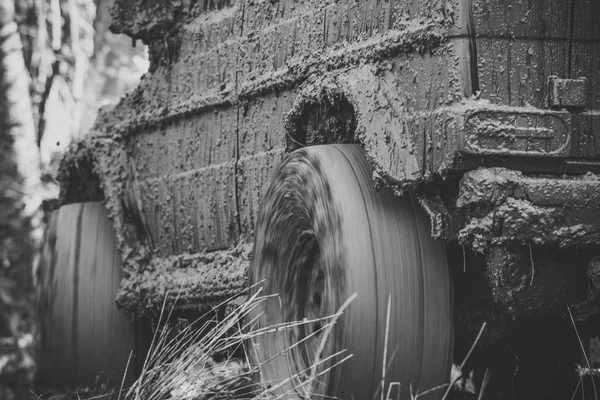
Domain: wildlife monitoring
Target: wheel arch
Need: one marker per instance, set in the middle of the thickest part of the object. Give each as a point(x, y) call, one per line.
point(362, 106)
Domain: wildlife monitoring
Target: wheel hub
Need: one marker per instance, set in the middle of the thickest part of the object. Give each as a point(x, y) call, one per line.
point(307, 288)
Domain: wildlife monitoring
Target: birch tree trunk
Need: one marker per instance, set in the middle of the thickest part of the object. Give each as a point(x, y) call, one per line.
point(19, 179)
point(16, 118)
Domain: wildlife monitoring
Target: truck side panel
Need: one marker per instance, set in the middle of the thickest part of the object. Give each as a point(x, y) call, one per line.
point(211, 120)
point(207, 126)
point(519, 46)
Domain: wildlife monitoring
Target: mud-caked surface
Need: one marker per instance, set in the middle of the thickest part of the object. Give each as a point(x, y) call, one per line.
point(150, 280)
point(502, 205)
point(183, 161)
point(185, 281)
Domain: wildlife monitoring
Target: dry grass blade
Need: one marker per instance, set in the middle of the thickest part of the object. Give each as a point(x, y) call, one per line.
point(137, 386)
point(385, 365)
point(486, 381)
point(328, 331)
point(391, 387)
point(584, 354)
point(433, 389)
point(181, 365)
point(301, 375)
point(462, 365)
point(125, 375)
point(532, 264)
point(385, 347)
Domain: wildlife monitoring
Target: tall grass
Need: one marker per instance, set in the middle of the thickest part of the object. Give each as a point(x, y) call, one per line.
point(586, 370)
point(181, 364)
point(211, 362)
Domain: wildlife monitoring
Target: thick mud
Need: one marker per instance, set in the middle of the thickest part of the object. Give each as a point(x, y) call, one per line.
point(508, 206)
point(183, 161)
point(146, 160)
point(184, 280)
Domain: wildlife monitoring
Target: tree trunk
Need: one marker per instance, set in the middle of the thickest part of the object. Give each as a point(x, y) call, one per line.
point(19, 177)
point(16, 118)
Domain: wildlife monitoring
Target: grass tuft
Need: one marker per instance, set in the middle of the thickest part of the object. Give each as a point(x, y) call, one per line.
point(182, 364)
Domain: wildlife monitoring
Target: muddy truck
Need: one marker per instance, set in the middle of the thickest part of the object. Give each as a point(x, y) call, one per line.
point(425, 169)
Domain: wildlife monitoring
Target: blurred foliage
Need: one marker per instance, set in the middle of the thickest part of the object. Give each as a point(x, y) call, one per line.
point(17, 322)
point(58, 43)
point(74, 65)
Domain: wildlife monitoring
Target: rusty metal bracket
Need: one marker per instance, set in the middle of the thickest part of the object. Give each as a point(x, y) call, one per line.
point(442, 221)
point(566, 93)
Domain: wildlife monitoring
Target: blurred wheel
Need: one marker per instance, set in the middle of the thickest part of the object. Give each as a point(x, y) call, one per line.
point(324, 233)
point(83, 332)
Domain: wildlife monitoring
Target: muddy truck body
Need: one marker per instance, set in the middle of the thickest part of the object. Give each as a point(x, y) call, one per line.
point(483, 116)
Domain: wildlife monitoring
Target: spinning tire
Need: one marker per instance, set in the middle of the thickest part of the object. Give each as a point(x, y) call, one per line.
point(83, 332)
point(323, 234)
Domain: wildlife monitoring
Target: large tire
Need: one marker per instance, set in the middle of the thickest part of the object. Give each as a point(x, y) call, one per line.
point(83, 332)
point(324, 233)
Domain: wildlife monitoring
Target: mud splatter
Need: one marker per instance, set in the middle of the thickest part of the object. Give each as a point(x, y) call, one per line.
point(505, 206)
point(225, 73)
point(182, 281)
